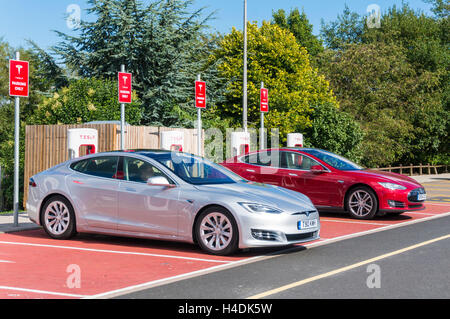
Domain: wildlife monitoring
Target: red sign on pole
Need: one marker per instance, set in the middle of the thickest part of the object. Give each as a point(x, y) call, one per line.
point(264, 98)
point(124, 87)
point(18, 78)
point(200, 94)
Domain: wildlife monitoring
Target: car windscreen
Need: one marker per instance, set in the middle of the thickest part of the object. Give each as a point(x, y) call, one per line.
point(333, 160)
point(196, 170)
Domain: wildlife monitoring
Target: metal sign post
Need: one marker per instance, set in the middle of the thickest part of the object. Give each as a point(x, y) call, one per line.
point(264, 108)
point(200, 103)
point(125, 90)
point(244, 85)
point(18, 86)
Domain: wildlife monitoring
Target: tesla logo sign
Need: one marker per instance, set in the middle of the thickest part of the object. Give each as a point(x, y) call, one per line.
point(18, 78)
point(124, 87)
point(200, 94)
point(264, 99)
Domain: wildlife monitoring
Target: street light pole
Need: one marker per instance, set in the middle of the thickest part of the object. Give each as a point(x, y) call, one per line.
point(244, 86)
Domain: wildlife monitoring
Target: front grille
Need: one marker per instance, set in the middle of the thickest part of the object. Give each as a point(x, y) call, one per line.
point(412, 196)
point(415, 205)
point(295, 237)
point(397, 204)
point(306, 213)
point(265, 235)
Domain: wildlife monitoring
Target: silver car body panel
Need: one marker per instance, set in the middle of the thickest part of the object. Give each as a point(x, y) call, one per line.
point(126, 208)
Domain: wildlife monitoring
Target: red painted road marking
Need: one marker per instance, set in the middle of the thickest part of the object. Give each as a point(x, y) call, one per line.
point(114, 264)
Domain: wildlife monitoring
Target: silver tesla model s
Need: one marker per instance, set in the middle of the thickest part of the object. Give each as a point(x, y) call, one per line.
point(171, 196)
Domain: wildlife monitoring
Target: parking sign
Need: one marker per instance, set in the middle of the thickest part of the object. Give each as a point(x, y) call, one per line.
point(18, 78)
point(124, 87)
point(200, 94)
point(264, 99)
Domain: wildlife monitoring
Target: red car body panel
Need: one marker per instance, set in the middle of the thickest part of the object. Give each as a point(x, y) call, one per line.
point(327, 189)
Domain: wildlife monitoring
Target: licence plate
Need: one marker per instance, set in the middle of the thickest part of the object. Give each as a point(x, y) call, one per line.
point(421, 196)
point(306, 224)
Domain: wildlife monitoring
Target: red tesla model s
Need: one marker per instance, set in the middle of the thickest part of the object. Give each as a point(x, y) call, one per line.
point(333, 183)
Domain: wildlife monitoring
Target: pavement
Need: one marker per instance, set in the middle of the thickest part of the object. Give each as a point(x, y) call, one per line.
point(7, 221)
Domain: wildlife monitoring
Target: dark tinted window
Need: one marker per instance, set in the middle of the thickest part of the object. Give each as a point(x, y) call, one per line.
point(293, 160)
point(136, 170)
point(103, 166)
point(260, 158)
point(196, 170)
point(334, 160)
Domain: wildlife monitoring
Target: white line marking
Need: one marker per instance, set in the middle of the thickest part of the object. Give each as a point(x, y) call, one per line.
point(439, 204)
point(116, 252)
point(351, 222)
point(425, 214)
point(43, 292)
point(7, 261)
point(367, 232)
point(159, 282)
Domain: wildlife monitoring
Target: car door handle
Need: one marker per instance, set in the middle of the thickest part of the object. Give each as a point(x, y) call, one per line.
point(250, 170)
point(130, 189)
point(292, 174)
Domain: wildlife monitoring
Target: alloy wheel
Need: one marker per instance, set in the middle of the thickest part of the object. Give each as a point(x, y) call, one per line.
point(57, 218)
point(216, 231)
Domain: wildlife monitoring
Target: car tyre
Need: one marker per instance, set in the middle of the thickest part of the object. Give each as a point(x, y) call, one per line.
point(58, 218)
point(216, 231)
point(362, 203)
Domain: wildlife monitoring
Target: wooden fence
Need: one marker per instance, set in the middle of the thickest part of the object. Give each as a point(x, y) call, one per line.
point(46, 145)
point(415, 169)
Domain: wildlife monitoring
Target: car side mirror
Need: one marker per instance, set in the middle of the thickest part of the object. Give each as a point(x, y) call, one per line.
point(317, 169)
point(159, 181)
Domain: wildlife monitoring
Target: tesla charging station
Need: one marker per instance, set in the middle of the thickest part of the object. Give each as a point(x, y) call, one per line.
point(81, 141)
point(240, 143)
point(172, 140)
point(295, 140)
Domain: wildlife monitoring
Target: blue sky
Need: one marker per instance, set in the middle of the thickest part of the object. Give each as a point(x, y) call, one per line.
point(35, 19)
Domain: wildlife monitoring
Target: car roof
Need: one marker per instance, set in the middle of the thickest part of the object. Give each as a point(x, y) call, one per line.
point(146, 152)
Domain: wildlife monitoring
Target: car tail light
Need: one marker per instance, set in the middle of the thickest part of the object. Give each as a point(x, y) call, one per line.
point(32, 183)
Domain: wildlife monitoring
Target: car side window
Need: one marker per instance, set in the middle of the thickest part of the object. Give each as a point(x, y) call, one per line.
point(259, 158)
point(102, 166)
point(136, 170)
point(293, 160)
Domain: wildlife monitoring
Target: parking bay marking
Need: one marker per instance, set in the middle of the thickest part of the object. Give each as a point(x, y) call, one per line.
point(42, 292)
point(168, 280)
point(116, 252)
point(343, 269)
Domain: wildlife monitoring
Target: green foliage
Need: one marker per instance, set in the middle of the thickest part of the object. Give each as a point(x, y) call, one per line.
point(86, 100)
point(275, 58)
point(335, 131)
point(27, 108)
point(300, 27)
point(348, 28)
point(161, 43)
point(394, 80)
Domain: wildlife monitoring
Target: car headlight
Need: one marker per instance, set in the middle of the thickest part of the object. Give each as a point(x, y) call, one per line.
point(392, 186)
point(260, 208)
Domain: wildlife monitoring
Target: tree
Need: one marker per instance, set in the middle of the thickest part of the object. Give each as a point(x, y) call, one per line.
point(27, 108)
point(348, 28)
point(300, 27)
point(394, 80)
point(162, 44)
point(335, 131)
point(396, 106)
point(83, 101)
point(275, 58)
